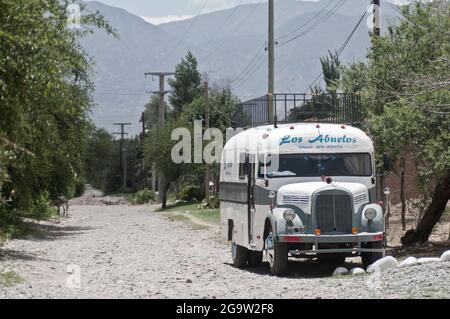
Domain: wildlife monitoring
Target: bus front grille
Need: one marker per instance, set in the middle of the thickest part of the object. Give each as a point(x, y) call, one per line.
point(334, 213)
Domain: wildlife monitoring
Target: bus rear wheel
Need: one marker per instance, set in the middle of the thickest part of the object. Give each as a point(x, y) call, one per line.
point(239, 254)
point(276, 254)
point(255, 258)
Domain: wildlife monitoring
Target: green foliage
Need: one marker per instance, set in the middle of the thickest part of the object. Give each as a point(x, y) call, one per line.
point(10, 279)
point(322, 106)
point(11, 224)
point(186, 85)
point(406, 89)
point(191, 192)
point(158, 150)
point(223, 107)
point(42, 207)
point(144, 196)
point(331, 67)
point(214, 202)
point(44, 103)
point(151, 112)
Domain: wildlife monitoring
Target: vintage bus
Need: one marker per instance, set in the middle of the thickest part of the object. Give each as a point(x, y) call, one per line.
point(301, 191)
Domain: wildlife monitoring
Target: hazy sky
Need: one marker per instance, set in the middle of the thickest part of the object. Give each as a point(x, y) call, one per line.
point(160, 11)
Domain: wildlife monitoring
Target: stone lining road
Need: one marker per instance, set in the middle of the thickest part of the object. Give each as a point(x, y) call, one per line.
point(134, 252)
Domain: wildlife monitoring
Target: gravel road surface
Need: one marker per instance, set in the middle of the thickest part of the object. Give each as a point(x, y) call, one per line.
point(133, 252)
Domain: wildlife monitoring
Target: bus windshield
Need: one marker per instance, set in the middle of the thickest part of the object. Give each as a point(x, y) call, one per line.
point(317, 165)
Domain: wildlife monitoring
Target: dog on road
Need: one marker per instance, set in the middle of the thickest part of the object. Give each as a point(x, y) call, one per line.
point(62, 204)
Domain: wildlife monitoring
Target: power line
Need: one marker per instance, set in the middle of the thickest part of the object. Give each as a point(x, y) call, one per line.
point(232, 32)
point(307, 22)
point(346, 42)
point(250, 73)
point(191, 24)
point(316, 24)
point(249, 65)
point(223, 24)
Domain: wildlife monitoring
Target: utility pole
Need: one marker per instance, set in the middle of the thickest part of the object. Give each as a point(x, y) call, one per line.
point(207, 168)
point(272, 115)
point(123, 155)
point(376, 23)
point(143, 173)
point(162, 93)
point(377, 18)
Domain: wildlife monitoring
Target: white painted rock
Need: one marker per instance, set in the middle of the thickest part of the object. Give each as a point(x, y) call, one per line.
point(384, 264)
point(357, 272)
point(410, 261)
point(340, 271)
point(446, 256)
point(422, 261)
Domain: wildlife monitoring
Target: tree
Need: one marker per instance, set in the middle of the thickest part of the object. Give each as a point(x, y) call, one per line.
point(187, 84)
point(223, 105)
point(331, 68)
point(407, 92)
point(158, 150)
point(151, 112)
point(102, 161)
point(44, 99)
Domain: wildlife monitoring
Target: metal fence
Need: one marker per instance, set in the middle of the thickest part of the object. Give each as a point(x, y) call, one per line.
point(339, 108)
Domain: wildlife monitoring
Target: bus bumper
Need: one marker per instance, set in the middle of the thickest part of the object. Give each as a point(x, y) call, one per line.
point(355, 242)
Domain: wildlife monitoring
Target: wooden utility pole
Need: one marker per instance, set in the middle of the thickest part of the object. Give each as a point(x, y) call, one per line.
point(143, 173)
point(207, 168)
point(161, 122)
point(377, 18)
point(271, 49)
point(123, 156)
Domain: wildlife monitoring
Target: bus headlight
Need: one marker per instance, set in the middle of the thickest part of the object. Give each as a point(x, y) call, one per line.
point(370, 213)
point(289, 215)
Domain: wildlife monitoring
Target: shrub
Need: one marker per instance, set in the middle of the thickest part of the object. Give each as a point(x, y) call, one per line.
point(144, 196)
point(42, 208)
point(191, 192)
point(80, 188)
point(214, 202)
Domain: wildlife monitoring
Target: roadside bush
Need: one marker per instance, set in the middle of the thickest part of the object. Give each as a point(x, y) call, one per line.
point(191, 192)
point(144, 196)
point(214, 202)
point(80, 188)
point(42, 208)
point(10, 224)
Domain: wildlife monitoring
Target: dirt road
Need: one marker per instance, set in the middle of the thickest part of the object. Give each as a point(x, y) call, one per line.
point(134, 252)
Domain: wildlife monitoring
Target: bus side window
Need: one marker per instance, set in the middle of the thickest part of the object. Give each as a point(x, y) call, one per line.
point(242, 170)
point(242, 166)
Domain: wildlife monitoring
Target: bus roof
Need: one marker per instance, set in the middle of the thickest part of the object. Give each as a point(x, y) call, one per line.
point(301, 138)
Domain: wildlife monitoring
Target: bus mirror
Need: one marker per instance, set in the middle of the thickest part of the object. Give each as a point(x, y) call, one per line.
point(386, 163)
point(272, 195)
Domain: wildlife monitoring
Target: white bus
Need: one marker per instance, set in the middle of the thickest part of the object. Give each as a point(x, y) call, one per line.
point(300, 190)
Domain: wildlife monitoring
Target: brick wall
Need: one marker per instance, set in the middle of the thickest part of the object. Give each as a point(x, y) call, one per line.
point(393, 181)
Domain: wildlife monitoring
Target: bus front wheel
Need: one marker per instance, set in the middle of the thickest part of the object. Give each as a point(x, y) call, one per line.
point(276, 255)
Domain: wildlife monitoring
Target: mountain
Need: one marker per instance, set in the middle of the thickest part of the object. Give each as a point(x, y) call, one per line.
point(225, 43)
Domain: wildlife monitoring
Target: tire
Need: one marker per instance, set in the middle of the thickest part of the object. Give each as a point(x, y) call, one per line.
point(239, 254)
point(331, 259)
point(276, 255)
point(369, 258)
point(255, 258)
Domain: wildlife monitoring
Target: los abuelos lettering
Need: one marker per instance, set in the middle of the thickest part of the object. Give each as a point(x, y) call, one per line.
point(319, 139)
